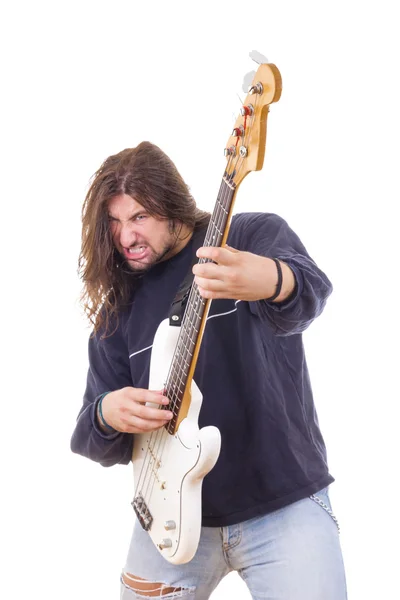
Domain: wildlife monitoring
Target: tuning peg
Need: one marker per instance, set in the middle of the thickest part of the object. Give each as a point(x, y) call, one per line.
point(247, 79)
point(258, 57)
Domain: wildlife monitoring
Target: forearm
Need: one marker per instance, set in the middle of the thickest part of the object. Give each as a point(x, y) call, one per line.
point(301, 302)
point(91, 440)
point(305, 288)
point(99, 417)
point(288, 283)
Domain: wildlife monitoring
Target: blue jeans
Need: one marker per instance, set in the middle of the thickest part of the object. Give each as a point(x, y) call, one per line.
point(290, 554)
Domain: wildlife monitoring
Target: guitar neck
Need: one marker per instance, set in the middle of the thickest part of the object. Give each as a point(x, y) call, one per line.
point(185, 357)
point(245, 153)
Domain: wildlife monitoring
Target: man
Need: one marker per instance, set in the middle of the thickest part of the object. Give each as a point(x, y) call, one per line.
point(266, 509)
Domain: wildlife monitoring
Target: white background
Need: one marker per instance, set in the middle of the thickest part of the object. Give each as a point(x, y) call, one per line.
point(83, 80)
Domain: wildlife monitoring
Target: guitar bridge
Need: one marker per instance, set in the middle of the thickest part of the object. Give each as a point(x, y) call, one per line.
point(142, 512)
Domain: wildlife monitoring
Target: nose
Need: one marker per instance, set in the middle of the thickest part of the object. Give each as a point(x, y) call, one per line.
point(126, 234)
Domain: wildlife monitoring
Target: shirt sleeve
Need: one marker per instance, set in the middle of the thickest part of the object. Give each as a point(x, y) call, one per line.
point(108, 371)
point(269, 235)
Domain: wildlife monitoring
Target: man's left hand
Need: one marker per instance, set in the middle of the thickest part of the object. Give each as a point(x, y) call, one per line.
point(236, 275)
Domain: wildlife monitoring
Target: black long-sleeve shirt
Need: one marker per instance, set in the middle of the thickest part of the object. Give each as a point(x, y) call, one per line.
point(251, 371)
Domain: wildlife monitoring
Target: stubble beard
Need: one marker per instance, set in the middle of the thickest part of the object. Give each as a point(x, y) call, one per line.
point(157, 258)
point(169, 246)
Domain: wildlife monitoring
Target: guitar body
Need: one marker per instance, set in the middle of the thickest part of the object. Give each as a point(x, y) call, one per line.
point(169, 469)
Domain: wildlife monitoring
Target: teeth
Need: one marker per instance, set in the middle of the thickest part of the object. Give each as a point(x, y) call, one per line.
point(136, 250)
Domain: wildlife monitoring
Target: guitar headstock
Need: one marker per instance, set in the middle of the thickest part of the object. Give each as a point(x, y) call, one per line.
point(245, 148)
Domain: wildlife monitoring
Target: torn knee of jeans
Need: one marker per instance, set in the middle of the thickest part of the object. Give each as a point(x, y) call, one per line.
point(153, 589)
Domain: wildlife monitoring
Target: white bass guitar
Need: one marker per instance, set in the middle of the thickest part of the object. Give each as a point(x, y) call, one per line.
point(170, 464)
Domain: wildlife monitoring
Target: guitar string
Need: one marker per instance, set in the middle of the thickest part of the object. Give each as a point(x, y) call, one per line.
point(161, 434)
point(184, 348)
point(147, 464)
point(190, 301)
point(155, 454)
point(216, 223)
point(152, 454)
point(157, 438)
point(185, 335)
point(154, 458)
point(185, 341)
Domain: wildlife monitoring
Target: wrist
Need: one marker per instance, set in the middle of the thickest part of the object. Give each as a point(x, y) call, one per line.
point(285, 281)
point(104, 426)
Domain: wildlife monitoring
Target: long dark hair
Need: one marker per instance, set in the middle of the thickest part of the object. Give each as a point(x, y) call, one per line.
point(147, 174)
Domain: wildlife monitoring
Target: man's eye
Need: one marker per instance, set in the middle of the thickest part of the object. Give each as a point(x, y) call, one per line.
point(140, 217)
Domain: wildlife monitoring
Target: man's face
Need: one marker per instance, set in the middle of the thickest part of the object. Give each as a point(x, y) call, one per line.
point(141, 239)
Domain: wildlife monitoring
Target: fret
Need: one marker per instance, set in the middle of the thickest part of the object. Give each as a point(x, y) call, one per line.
point(177, 401)
point(176, 392)
point(187, 344)
point(185, 361)
point(179, 387)
point(189, 348)
point(192, 329)
point(194, 308)
point(172, 389)
point(185, 328)
point(182, 355)
point(223, 208)
point(231, 186)
point(189, 335)
point(187, 353)
point(220, 232)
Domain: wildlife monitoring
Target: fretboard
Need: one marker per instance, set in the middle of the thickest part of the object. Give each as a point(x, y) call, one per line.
point(197, 308)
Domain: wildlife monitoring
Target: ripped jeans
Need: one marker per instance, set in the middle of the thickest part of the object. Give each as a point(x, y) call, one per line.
point(290, 554)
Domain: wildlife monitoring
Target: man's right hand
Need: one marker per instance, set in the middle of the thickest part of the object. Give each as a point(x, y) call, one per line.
point(125, 410)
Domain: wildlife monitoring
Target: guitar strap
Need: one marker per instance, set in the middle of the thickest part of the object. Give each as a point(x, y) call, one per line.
point(178, 305)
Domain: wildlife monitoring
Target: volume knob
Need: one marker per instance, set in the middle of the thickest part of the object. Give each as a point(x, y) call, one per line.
point(166, 543)
point(168, 525)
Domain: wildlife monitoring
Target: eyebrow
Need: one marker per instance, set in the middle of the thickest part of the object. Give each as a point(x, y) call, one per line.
point(135, 214)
